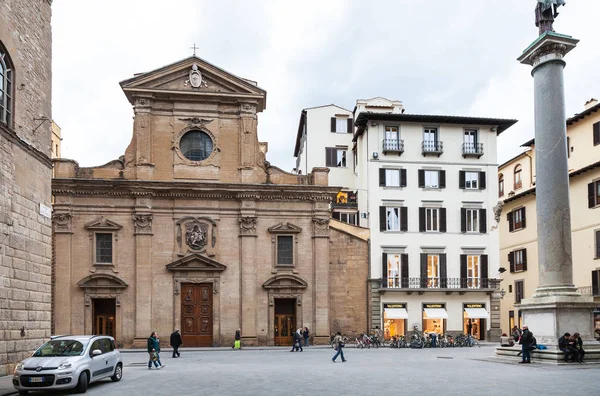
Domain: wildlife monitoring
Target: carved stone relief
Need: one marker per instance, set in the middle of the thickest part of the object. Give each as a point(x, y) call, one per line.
point(321, 227)
point(62, 223)
point(248, 225)
point(143, 223)
point(196, 235)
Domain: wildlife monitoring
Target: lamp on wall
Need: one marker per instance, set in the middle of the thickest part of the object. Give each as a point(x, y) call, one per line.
point(375, 155)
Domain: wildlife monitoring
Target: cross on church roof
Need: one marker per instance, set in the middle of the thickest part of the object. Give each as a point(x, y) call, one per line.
point(194, 48)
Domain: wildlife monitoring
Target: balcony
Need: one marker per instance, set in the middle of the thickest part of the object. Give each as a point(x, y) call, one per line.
point(393, 146)
point(447, 285)
point(432, 147)
point(472, 150)
point(589, 291)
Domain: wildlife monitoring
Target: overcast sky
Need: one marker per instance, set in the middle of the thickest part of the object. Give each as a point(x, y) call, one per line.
point(436, 56)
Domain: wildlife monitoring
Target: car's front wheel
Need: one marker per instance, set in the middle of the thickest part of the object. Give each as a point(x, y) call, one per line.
point(118, 373)
point(82, 384)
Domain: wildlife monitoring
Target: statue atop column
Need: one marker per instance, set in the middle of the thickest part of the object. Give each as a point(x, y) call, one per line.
point(545, 12)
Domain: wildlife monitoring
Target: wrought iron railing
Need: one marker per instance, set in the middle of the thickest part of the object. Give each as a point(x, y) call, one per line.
point(589, 290)
point(429, 146)
point(397, 282)
point(472, 148)
point(393, 145)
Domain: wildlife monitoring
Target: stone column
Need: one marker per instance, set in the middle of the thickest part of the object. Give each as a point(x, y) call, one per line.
point(248, 278)
point(556, 307)
point(143, 272)
point(321, 280)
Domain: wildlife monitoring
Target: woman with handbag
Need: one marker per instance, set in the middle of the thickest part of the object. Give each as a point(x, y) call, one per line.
point(339, 346)
point(153, 350)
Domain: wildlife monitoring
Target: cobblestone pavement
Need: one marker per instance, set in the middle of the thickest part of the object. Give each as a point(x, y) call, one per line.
point(444, 372)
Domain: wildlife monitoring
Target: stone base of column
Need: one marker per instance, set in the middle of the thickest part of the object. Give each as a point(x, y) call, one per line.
point(551, 356)
point(549, 317)
point(493, 335)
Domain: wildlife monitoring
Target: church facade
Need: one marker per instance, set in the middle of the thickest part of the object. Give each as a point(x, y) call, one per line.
point(193, 229)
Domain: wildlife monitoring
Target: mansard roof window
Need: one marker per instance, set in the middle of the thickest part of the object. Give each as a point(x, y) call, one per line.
point(196, 145)
point(6, 87)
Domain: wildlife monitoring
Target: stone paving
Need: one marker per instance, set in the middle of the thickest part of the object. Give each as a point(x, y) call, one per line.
point(446, 372)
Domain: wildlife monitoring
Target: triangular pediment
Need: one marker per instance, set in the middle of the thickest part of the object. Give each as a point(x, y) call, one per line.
point(196, 262)
point(285, 282)
point(285, 228)
point(212, 81)
point(102, 281)
point(102, 224)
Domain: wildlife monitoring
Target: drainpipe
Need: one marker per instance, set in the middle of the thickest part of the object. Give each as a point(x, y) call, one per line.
point(368, 299)
point(530, 168)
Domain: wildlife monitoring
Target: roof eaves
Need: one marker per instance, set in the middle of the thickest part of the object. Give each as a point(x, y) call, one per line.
point(301, 122)
point(583, 114)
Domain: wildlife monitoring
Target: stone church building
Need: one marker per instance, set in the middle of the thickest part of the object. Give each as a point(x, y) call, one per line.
point(193, 229)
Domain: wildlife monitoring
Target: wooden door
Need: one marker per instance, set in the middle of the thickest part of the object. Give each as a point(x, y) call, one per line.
point(197, 314)
point(104, 311)
point(285, 326)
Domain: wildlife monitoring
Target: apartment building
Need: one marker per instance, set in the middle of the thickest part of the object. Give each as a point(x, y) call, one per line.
point(518, 227)
point(324, 139)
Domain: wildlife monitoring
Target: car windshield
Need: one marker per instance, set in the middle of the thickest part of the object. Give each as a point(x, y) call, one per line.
point(61, 348)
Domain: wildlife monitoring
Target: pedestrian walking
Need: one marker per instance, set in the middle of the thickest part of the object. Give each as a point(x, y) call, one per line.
point(339, 346)
point(154, 351)
point(176, 342)
point(305, 335)
point(297, 341)
point(526, 342)
point(237, 344)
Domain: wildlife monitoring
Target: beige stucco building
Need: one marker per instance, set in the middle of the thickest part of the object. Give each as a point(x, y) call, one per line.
point(193, 229)
point(518, 228)
point(25, 175)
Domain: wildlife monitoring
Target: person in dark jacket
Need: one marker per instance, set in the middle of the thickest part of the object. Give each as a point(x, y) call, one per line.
point(176, 342)
point(526, 342)
point(297, 341)
point(579, 347)
point(153, 351)
point(563, 345)
point(305, 335)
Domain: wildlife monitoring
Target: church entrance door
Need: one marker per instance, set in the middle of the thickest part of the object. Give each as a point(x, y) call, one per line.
point(104, 311)
point(197, 314)
point(285, 321)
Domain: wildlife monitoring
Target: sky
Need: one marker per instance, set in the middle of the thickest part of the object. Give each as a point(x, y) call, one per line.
point(436, 56)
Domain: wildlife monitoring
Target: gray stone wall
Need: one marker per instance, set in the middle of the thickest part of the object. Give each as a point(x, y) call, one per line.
point(25, 176)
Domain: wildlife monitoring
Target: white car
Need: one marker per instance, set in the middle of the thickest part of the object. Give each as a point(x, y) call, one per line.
point(67, 362)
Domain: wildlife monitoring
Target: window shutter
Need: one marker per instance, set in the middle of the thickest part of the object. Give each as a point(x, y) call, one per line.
point(384, 273)
point(482, 180)
point(482, 221)
point(333, 122)
point(442, 219)
point(461, 179)
point(423, 270)
point(511, 261)
point(463, 220)
point(381, 177)
point(421, 178)
point(402, 177)
point(442, 179)
point(523, 216)
point(596, 133)
point(595, 276)
point(404, 270)
point(330, 157)
point(403, 218)
point(598, 244)
point(350, 126)
point(382, 219)
point(484, 271)
point(443, 271)
point(463, 271)
point(511, 223)
point(524, 259)
point(591, 198)
point(421, 219)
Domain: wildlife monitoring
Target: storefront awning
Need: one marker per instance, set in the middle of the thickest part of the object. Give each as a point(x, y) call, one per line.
point(477, 313)
point(396, 313)
point(436, 313)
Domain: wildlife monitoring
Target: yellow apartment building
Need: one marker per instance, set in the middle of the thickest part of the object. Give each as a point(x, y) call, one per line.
point(518, 225)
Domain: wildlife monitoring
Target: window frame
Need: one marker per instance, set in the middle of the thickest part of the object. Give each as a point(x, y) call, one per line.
point(597, 240)
point(501, 185)
point(433, 282)
point(473, 184)
point(394, 281)
point(431, 172)
point(519, 291)
point(473, 268)
point(517, 225)
point(343, 159)
point(429, 212)
point(277, 251)
point(7, 104)
point(473, 214)
point(112, 248)
point(389, 172)
point(519, 260)
point(518, 181)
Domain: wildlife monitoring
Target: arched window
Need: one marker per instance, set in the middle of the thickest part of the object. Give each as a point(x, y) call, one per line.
point(500, 185)
point(6, 87)
point(518, 182)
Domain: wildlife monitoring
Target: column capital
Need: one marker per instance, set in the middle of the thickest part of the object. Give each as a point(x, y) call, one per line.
point(550, 46)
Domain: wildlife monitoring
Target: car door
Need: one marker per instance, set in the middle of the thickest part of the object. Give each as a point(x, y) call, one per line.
point(111, 355)
point(98, 363)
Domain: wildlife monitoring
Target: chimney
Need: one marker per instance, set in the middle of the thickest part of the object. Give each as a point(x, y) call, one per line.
point(590, 103)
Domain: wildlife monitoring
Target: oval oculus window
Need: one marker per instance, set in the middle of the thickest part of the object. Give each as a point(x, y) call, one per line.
point(196, 145)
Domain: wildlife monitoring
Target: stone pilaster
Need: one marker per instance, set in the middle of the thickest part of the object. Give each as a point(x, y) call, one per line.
point(63, 239)
point(321, 279)
point(248, 279)
point(142, 221)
